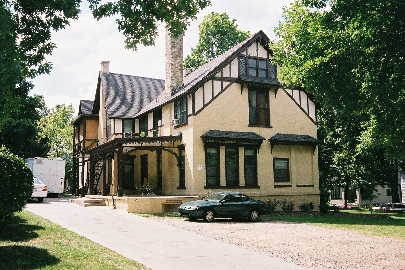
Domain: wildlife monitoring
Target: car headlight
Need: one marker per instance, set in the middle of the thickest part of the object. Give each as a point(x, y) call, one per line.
point(191, 207)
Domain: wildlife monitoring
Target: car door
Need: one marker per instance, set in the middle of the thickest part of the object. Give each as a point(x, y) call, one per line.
point(233, 206)
point(225, 206)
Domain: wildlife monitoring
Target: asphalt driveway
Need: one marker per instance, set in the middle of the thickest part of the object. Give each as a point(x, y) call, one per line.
point(152, 243)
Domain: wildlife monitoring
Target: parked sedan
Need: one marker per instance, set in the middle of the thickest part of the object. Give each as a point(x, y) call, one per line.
point(223, 205)
point(40, 190)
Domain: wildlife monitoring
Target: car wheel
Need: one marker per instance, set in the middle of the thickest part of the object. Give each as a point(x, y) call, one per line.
point(209, 216)
point(254, 215)
point(40, 199)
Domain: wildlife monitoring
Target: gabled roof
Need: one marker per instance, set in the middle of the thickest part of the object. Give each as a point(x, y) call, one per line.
point(193, 79)
point(85, 107)
point(126, 95)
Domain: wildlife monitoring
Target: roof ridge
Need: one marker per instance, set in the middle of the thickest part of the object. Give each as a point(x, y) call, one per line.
point(143, 77)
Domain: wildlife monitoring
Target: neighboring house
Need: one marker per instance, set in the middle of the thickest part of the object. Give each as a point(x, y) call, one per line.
point(380, 194)
point(226, 125)
point(401, 184)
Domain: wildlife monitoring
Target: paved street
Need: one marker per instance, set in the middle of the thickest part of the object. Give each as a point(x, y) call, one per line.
point(154, 244)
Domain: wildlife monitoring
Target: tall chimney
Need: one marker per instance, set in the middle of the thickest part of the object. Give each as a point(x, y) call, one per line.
point(105, 66)
point(174, 61)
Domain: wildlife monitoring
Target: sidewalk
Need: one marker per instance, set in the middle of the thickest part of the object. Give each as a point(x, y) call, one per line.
point(153, 244)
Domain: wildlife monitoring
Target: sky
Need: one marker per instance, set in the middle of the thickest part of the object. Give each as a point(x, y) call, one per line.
point(86, 42)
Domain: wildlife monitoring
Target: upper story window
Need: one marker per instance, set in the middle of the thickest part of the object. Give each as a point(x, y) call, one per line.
point(259, 108)
point(180, 110)
point(128, 127)
point(143, 124)
point(256, 69)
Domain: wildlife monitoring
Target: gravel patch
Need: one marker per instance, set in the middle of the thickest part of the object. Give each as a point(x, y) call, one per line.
point(307, 245)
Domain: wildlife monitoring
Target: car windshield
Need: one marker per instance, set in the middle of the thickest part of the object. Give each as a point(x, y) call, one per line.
point(37, 181)
point(215, 196)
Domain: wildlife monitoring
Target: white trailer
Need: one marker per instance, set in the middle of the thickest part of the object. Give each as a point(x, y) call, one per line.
point(50, 170)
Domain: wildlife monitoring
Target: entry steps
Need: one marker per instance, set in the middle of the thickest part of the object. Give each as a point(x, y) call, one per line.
point(88, 202)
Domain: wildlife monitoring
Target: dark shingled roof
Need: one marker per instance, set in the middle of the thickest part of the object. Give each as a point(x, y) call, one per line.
point(85, 107)
point(227, 136)
point(289, 139)
point(126, 95)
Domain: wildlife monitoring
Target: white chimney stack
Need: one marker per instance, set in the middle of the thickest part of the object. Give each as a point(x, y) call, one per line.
point(105, 66)
point(174, 62)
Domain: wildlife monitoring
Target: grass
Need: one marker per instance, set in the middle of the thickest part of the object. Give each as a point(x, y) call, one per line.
point(31, 242)
point(380, 224)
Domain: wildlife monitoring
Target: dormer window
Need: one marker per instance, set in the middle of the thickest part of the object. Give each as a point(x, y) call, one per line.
point(128, 127)
point(257, 67)
point(180, 110)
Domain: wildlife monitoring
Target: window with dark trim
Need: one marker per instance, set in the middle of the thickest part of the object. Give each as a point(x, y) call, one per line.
point(128, 171)
point(212, 166)
point(281, 169)
point(127, 127)
point(259, 109)
point(143, 124)
point(232, 166)
point(180, 110)
point(182, 165)
point(157, 116)
point(256, 68)
point(250, 166)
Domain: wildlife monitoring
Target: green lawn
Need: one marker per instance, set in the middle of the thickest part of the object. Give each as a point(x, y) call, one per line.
point(31, 242)
point(381, 224)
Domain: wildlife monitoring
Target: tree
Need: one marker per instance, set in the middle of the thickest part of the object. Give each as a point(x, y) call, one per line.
point(217, 34)
point(15, 183)
point(352, 63)
point(56, 127)
point(138, 19)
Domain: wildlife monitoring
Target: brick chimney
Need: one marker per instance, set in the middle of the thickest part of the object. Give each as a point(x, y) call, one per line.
point(174, 62)
point(105, 66)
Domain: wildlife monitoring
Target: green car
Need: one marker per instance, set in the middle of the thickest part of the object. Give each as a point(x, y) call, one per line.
point(223, 205)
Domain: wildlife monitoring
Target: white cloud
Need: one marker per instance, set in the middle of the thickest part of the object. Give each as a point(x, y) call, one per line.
point(86, 42)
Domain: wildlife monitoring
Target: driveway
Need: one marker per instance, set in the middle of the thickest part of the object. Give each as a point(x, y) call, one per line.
point(152, 243)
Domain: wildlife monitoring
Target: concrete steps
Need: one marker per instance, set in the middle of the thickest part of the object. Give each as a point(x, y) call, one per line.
point(85, 202)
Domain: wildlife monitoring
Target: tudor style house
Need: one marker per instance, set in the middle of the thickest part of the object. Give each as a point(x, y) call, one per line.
point(226, 125)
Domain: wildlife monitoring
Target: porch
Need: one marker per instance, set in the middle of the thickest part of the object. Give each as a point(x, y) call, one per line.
point(144, 204)
point(136, 165)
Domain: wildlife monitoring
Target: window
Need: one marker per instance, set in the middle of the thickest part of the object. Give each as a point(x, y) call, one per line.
point(259, 113)
point(212, 166)
point(157, 116)
point(232, 166)
point(250, 166)
point(127, 127)
point(182, 173)
point(255, 68)
point(281, 170)
point(180, 110)
point(143, 124)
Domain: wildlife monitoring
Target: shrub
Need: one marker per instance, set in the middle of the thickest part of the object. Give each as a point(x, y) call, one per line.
point(272, 205)
point(287, 206)
point(15, 183)
point(306, 207)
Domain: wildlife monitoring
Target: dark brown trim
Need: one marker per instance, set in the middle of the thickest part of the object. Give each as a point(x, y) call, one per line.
point(212, 99)
point(282, 186)
point(292, 97)
point(222, 82)
point(274, 170)
point(212, 89)
point(203, 91)
point(304, 185)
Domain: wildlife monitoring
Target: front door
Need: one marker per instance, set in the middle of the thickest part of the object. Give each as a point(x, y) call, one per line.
point(144, 169)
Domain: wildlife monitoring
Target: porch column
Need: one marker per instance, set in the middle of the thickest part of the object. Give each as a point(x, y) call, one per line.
point(92, 176)
point(119, 170)
point(104, 183)
point(159, 171)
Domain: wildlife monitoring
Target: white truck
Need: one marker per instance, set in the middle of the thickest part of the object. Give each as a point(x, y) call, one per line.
point(51, 171)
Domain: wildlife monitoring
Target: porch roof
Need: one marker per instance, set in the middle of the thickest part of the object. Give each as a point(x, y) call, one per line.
point(229, 137)
point(293, 139)
point(106, 148)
